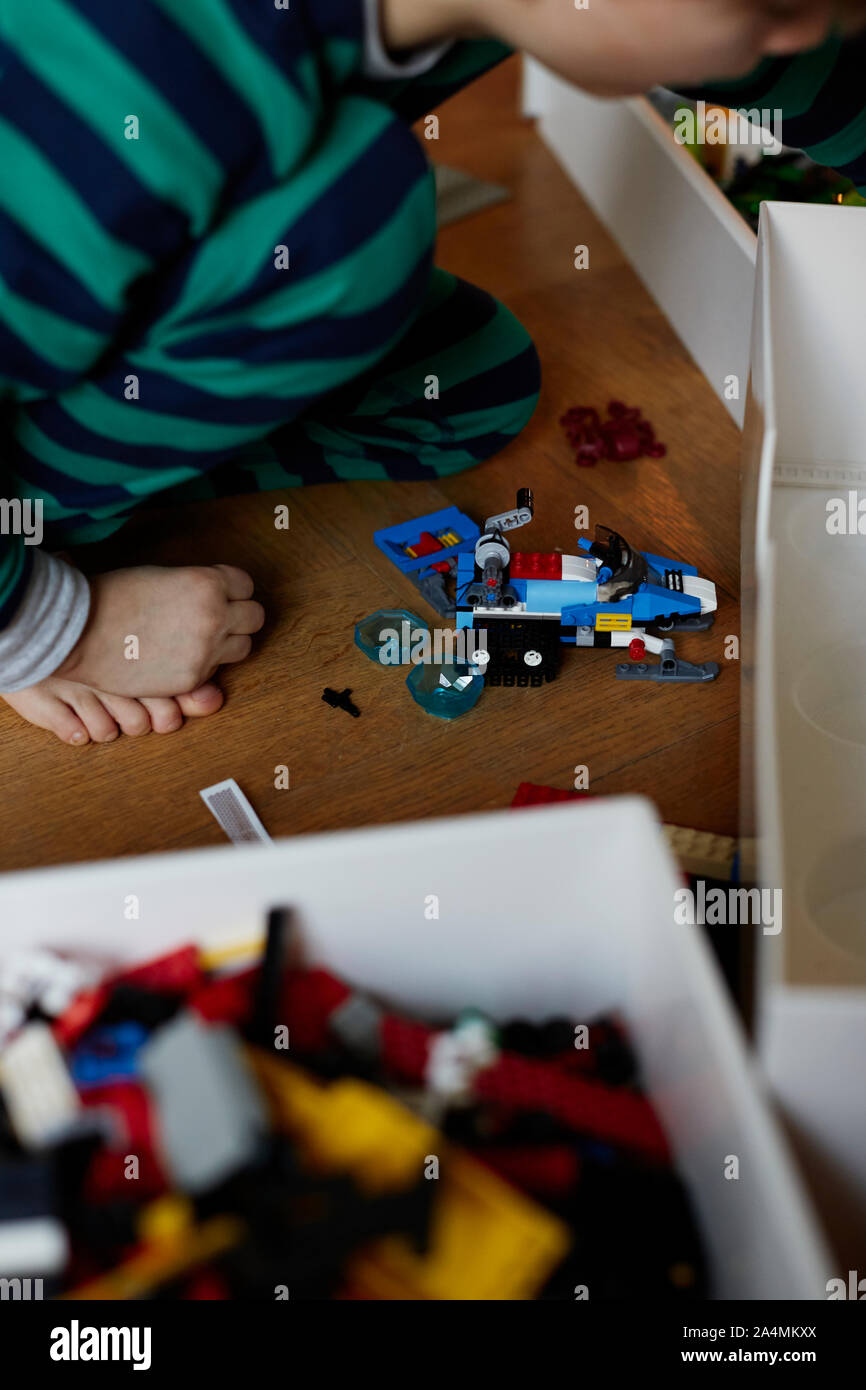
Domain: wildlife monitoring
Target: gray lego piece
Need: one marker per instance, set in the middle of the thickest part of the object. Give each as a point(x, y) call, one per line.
point(211, 1117)
point(686, 622)
point(432, 588)
point(671, 670)
point(357, 1024)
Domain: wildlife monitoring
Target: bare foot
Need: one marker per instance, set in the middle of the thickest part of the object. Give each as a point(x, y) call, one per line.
point(79, 714)
point(155, 631)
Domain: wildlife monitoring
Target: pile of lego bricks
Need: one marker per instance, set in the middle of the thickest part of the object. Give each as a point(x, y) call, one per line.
point(183, 1131)
point(625, 434)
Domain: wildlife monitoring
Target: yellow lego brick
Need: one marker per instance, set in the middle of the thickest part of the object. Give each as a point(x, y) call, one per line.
point(165, 1219)
point(612, 622)
point(488, 1241)
point(236, 955)
point(163, 1261)
point(347, 1127)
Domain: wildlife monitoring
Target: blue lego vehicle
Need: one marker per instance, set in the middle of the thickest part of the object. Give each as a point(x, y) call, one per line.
point(523, 608)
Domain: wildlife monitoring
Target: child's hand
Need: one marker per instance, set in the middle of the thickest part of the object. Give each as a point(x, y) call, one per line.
point(162, 632)
point(617, 47)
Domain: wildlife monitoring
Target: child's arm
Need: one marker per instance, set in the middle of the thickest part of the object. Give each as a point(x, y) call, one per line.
point(693, 46)
point(44, 607)
point(619, 47)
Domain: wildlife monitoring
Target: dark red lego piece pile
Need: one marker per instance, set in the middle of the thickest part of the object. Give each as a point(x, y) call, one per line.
point(623, 436)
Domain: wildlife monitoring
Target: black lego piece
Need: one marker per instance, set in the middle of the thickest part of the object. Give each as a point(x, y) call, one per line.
point(340, 700)
point(267, 998)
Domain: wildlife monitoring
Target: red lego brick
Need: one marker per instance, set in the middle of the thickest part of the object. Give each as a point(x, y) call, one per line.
point(610, 1114)
point(425, 545)
point(551, 1170)
point(613, 1115)
point(405, 1047)
point(531, 794)
point(228, 999)
point(80, 1015)
point(178, 972)
point(308, 999)
point(535, 565)
point(107, 1174)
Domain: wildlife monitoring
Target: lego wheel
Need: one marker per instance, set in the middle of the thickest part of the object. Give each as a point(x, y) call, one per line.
point(480, 657)
point(532, 658)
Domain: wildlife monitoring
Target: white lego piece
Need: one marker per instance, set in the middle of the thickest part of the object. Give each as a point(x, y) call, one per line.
point(35, 1246)
point(45, 978)
point(704, 589)
point(456, 1057)
point(581, 567)
point(625, 639)
point(40, 1098)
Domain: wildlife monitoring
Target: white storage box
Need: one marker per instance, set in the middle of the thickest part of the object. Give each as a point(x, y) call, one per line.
point(566, 909)
point(693, 251)
point(805, 670)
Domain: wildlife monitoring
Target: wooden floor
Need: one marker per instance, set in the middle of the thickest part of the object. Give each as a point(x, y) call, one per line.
point(600, 336)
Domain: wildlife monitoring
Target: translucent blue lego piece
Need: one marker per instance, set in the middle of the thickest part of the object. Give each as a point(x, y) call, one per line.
point(375, 634)
point(446, 700)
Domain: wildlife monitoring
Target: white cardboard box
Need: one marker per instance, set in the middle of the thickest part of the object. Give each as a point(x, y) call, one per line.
point(804, 772)
point(566, 909)
point(692, 250)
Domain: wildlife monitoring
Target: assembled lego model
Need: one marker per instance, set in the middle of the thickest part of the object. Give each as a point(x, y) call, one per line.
point(524, 607)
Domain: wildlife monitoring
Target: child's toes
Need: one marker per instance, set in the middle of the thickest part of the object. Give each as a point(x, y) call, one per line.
point(48, 712)
point(45, 709)
point(93, 714)
point(130, 714)
point(166, 716)
point(206, 700)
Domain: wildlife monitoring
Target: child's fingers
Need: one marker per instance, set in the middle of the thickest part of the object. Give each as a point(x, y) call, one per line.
point(239, 584)
point(246, 617)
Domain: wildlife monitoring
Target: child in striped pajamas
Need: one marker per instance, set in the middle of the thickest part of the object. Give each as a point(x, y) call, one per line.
point(216, 274)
